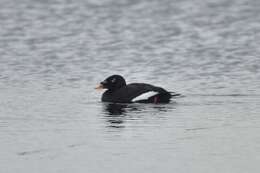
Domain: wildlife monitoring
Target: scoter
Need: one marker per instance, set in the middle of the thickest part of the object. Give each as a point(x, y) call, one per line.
point(119, 92)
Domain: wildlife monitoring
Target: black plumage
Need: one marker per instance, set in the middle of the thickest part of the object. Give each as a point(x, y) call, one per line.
point(119, 92)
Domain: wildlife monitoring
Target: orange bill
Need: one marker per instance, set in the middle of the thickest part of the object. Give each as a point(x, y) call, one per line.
point(99, 87)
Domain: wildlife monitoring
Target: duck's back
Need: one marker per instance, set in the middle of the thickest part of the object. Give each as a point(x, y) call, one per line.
point(137, 92)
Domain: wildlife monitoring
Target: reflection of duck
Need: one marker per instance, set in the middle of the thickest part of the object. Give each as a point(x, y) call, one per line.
point(119, 92)
point(116, 114)
point(115, 109)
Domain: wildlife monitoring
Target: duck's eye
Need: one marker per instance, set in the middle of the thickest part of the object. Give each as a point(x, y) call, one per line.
point(113, 80)
point(104, 82)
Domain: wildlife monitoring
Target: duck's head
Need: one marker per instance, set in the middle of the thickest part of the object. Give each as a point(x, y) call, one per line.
point(112, 83)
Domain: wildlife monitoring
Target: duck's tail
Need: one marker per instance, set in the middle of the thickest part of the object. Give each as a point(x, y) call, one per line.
point(174, 94)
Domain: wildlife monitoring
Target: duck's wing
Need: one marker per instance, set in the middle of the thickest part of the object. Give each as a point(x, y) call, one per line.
point(141, 92)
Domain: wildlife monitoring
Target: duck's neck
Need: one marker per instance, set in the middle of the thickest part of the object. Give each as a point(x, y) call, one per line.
point(111, 90)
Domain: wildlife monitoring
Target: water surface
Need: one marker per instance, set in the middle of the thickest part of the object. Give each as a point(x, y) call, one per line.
point(53, 53)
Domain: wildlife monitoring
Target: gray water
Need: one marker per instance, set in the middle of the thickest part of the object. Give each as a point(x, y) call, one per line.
point(53, 53)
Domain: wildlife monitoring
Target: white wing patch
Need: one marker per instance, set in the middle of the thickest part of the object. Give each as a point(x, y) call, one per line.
point(145, 96)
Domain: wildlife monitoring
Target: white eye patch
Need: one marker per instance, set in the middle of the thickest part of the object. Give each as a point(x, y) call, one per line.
point(113, 80)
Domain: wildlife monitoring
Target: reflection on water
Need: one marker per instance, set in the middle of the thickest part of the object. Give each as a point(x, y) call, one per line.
point(115, 108)
point(116, 113)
